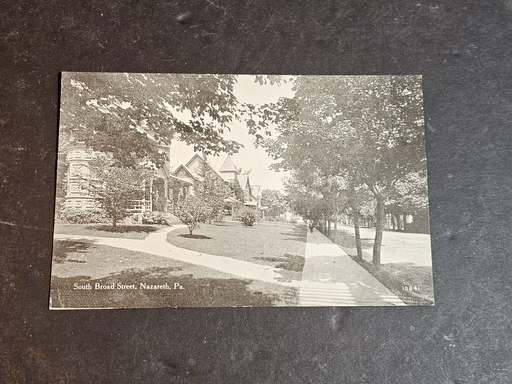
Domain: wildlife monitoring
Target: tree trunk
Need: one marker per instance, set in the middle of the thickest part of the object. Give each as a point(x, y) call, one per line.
point(358, 236)
point(114, 222)
point(379, 229)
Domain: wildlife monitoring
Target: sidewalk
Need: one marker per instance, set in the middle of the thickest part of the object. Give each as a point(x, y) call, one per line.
point(331, 278)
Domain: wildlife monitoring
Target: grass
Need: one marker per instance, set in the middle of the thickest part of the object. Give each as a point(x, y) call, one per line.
point(278, 245)
point(138, 232)
point(396, 276)
point(83, 262)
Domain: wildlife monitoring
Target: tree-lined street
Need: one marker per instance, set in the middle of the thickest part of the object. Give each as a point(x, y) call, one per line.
point(350, 142)
point(352, 148)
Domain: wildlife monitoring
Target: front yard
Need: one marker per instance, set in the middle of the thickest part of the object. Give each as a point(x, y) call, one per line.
point(79, 263)
point(279, 245)
point(123, 231)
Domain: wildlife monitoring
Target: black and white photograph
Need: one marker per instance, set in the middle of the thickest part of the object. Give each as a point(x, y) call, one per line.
point(224, 191)
point(206, 190)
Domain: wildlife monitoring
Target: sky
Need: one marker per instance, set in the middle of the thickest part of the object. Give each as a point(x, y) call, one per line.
point(249, 157)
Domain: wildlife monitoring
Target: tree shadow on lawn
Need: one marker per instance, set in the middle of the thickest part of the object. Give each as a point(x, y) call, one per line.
point(196, 292)
point(412, 283)
point(198, 237)
point(287, 261)
point(123, 228)
point(220, 224)
point(296, 234)
point(348, 240)
point(61, 249)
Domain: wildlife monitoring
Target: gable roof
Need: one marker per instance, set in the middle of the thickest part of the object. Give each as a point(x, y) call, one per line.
point(201, 160)
point(180, 180)
point(228, 165)
point(193, 158)
point(184, 167)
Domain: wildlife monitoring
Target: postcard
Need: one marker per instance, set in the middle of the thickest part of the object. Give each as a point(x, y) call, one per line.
point(209, 190)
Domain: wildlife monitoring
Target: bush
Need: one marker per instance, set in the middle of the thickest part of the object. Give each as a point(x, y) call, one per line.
point(219, 218)
point(247, 216)
point(191, 211)
point(81, 216)
point(157, 218)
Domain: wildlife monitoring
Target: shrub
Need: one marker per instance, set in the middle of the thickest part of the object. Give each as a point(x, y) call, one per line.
point(157, 218)
point(191, 211)
point(247, 216)
point(81, 216)
point(219, 218)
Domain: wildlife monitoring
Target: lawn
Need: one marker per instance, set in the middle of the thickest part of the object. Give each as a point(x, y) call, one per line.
point(138, 232)
point(278, 245)
point(82, 262)
point(406, 262)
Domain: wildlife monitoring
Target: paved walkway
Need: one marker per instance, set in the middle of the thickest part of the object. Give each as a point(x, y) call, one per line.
point(332, 278)
point(156, 244)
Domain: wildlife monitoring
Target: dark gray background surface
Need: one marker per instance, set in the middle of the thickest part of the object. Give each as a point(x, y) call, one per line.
point(463, 49)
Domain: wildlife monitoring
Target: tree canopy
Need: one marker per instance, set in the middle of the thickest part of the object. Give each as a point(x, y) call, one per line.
point(364, 130)
point(275, 202)
point(128, 115)
point(212, 190)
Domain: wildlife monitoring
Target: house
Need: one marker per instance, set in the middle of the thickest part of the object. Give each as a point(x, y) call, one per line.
point(74, 176)
point(160, 193)
point(193, 172)
point(230, 173)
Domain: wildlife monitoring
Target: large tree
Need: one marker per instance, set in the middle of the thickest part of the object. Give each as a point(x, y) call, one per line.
point(275, 202)
point(212, 190)
point(128, 115)
point(315, 196)
point(116, 188)
point(410, 198)
point(367, 130)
